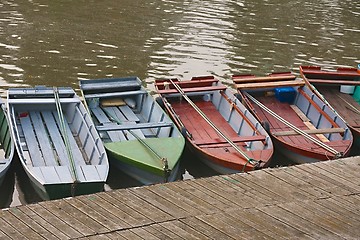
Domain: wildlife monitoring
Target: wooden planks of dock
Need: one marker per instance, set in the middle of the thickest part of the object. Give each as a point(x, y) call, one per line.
point(311, 201)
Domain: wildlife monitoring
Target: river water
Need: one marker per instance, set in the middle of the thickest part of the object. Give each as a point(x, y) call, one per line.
point(58, 43)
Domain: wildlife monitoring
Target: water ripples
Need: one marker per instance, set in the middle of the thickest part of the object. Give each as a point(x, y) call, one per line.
point(57, 43)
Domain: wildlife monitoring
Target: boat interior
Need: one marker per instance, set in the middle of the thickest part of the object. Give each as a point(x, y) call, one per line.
point(49, 141)
point(122, 113)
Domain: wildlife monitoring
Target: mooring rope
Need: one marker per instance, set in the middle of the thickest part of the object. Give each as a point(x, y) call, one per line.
point(163, 160)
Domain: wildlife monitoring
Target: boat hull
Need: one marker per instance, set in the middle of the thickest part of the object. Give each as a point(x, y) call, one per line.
point(56, 142)
point(134, 159)
point(303, 127)
point(329, 84)
point(63, 190)
point(7, 143)
point(219, 130)
point(139, 137)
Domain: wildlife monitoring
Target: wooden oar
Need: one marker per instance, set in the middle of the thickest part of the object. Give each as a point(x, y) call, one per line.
point(296, 129)
point(198, 110)
point(317, 93)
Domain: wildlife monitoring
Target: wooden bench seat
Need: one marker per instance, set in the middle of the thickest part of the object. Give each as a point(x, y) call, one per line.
point(256, 85)
point(335, 81)
point(254, 79)
point(115, 94)
point(194, 89)
point(42, 101)
point(115, 127)
point(202, 142)
point(111, 126)
point(310, 131)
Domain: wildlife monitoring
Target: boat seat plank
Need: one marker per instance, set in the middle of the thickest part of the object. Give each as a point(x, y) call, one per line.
point(335, 82)
point(128, 113)
point(115, 94)
point(100, 115)
point(254, 79)
point(43, 139)
point(14, 101)
point(311, 131)
point(64, 173)
point(33, 148)
point(194, 89)
point(56, 138)
point(115, 113)
point(135, 131)
point(3, 162)
point(102, 170)
point(77, 155)
point(48, 173)
point(235, 140)
point(114, 127)
point(115, 136)
point(106, 122)
point(244, 86)
point(90, 173)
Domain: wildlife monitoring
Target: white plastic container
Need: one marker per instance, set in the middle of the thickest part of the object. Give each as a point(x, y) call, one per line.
point(347, 89)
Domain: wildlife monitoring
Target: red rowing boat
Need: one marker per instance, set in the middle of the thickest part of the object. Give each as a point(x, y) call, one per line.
point(303, 127)
point(219, 129)
point(337, 86)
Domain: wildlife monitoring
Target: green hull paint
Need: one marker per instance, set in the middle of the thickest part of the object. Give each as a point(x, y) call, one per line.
point(136, 154)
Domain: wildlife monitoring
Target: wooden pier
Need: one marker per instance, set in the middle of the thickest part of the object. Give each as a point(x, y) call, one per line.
point(311, 201)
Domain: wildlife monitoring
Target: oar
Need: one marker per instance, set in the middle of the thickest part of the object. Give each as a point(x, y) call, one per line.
point(198, 110)
point(65, 134)
point(317, 93)
point(296, 129)
point(352, 107)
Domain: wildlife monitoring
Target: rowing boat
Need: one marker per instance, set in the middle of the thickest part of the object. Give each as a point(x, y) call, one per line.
point(6, 143)
point(303, 127)
point(219, 129)
point(337, 87)
point(56, 141)
point(140, 138)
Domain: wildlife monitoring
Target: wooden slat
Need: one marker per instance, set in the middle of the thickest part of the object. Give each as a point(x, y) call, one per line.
point(245, 86)
point(194, 89)
point(235, 140)
point(310, 131)
point(335, 82)
point(129, 114)
point(32, 144)
point(56, 138)
point(134, 126)
point(254, 79)
point(43, 140)
point(78, 156)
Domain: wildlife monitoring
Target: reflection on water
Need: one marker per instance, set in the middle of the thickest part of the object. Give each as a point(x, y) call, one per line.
point(45, 42)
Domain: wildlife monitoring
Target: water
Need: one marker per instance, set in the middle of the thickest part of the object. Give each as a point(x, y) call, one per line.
point(58, 43)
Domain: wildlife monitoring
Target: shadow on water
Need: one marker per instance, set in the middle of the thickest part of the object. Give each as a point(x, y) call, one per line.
point(7, 189)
